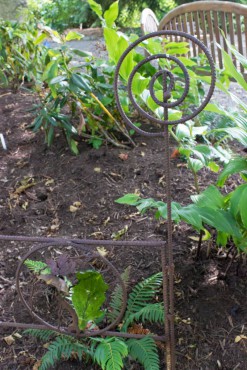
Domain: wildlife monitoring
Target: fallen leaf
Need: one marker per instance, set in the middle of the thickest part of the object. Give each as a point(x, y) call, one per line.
point(9, 340)
point(123, 156)
point(102, 251)
point(239, 338)
point(37, 364)
point(17, 335)
point(117, 235)
point(97, 169)
point(143, 154)
point(73, 209)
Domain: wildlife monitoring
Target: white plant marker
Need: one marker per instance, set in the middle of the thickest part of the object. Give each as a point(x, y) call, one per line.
point(3, 142)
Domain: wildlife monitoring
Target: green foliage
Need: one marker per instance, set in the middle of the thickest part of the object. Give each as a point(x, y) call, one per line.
point(38, 267)
point(63, 347)
point(110, 352)
point(87, 296)
point(21, 55)
point(145, 352)
point(116, 301)
point(227, 214)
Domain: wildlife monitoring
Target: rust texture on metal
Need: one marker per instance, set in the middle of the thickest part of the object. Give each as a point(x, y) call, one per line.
point(84, 251)
point(168, 86)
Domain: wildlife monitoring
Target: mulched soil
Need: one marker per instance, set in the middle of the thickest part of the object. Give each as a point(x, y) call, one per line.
point(210, 307)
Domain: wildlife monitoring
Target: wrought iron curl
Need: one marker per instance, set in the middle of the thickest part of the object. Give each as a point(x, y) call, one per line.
point(167, 75)
point(90, 254)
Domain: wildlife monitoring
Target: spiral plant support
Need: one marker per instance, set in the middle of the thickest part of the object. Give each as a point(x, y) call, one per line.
point(82, 254)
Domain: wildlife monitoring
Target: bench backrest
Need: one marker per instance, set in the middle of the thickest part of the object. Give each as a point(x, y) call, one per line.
point(205, 19)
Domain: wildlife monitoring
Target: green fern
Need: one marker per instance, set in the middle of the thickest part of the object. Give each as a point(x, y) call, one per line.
point(62, 348)
point(153, 312)
point(116, 302)
point(145, 352)
point(43, 335)
point(110, 352)
point(38, 267)
point(142, 293)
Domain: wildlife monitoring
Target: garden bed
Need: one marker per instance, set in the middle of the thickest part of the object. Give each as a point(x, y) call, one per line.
point(210, 311)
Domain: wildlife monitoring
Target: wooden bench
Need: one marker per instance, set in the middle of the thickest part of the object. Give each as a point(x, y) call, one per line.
point(204, 20)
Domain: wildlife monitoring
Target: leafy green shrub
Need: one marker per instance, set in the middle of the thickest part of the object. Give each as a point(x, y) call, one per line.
point(21, 54)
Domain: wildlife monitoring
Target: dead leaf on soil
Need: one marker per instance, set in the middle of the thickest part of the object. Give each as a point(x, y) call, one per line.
point(75, 206)
point(117, 235)
point(102, 251)
point(97, 169)
point(9, 340)
point(37, 364)
point(55, 281)
point(26, 183)
point(123, 156)
point(239, 338)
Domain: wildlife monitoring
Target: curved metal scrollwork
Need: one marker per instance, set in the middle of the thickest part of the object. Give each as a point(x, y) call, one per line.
point(168, 82)
point(32, 293)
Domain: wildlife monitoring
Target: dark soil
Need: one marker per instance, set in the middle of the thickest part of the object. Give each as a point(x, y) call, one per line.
point(210, 311)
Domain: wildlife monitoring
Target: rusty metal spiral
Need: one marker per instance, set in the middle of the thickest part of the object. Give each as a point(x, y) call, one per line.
point(168, 82)
point(90, 255)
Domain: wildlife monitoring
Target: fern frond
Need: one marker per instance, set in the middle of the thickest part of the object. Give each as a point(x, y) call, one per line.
point(153, 312)
point(40, 334)
point(116, 302)
point(110, 352)
point(62, 348)
point(37, 267)
point(143, 292)
point(145, 352)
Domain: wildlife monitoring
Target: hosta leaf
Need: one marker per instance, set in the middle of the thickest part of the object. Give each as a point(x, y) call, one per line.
point(236, 165)
point(111, 14)
point(130, 199)
point(195, 164)
point(211, 197)
point(88, 295)
point(243, 206)
point(190, 215)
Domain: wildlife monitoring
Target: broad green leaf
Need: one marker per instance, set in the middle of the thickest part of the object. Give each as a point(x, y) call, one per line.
point(73, 36)
point(111, 14)
point(182, 131)
point(243, 207)
point(130, 199)
point(139, 84)
point(211, 107)
point(211, 197)
point(81, 53)
point(73, 146)
point(111, 40)
point(87, 296)
point(190, 215)
point(220, 220)
point(237, 133)
point(213, 166)
point(78, 81)
point(236, 165)
point(162, 210)
point(145, 204)
point(41, 38)
point(231, 69)
point(235, 199)
point(57, 79)
point(195, 164)
point(96, 8)
point(221, 238)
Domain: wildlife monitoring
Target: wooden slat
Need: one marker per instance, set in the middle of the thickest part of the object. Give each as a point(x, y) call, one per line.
point(211, 35)
point(223, 27)
point(203, 26)
point(174, 27)
point(240, 41)
point(192, 32)
point(217, 37)
point(231, 34)
point(245, 35)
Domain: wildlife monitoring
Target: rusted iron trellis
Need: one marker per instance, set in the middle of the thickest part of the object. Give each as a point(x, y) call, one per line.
point(83, 250)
